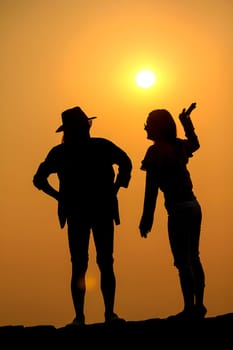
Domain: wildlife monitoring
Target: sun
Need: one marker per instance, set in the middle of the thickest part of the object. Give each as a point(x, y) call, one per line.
point(145, 79)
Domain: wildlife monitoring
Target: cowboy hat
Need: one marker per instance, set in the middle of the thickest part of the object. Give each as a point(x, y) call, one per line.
point(74, 117)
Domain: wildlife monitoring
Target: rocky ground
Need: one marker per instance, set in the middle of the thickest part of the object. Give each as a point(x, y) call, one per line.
point(146, 334)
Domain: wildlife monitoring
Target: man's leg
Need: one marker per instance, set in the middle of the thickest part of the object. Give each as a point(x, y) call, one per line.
point(78, 236)
point(103, 233)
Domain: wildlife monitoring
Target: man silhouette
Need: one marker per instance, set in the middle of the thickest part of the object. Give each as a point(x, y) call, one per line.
point(87, 201)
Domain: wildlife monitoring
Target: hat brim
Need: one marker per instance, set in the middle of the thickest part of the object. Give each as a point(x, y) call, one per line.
point(61, 127)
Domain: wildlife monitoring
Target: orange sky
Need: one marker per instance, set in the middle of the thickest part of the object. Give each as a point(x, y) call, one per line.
point(58, 54)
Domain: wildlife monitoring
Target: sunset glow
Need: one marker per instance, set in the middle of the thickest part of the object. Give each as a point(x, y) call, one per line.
point(118, 60)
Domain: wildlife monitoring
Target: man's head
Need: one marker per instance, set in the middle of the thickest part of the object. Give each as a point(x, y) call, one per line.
point(75, 119)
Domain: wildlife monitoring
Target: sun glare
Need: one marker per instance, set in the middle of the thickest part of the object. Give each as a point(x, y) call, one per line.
point(145, 79)
point(90, 283)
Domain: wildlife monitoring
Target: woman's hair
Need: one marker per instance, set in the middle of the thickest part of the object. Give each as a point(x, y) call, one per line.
point(161, 125)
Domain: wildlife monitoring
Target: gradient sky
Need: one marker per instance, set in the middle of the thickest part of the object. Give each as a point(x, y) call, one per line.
point(58, 54)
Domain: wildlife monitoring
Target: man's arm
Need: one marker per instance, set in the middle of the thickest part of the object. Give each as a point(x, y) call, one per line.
point(124, 170)
point(40, 181)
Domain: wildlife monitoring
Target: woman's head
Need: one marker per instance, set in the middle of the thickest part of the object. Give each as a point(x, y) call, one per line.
point(160, 126)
